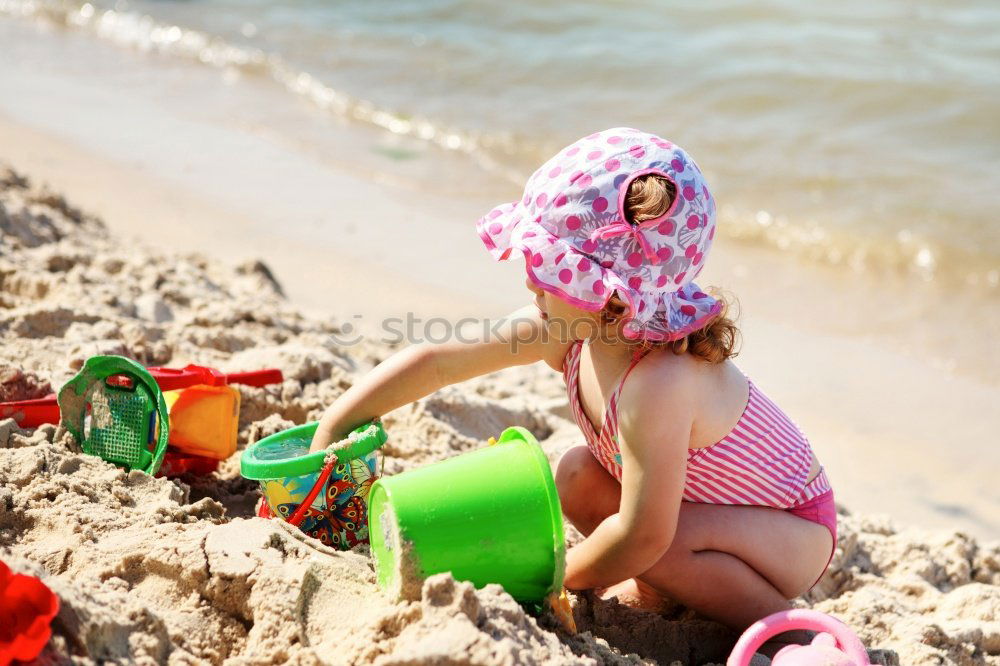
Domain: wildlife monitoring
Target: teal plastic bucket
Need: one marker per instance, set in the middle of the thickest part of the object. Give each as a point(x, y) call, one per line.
point(488, 516)
point(338, 515)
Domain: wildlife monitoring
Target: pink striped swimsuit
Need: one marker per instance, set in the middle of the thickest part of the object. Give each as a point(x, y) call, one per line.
point(763, 461)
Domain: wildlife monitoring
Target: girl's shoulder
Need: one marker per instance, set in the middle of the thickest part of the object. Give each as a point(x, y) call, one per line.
point(662, 376)
point(708, 398)
point(657, 400)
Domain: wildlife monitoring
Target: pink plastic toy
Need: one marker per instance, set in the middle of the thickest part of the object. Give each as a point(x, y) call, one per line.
point(836, 645)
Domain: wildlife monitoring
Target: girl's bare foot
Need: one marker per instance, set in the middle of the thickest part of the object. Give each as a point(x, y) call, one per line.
point(635, 594)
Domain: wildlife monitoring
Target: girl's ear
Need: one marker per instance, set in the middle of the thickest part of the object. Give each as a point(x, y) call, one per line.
point(615, 309)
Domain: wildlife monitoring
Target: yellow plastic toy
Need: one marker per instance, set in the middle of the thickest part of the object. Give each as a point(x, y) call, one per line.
point(204, 420)
point(562, 610)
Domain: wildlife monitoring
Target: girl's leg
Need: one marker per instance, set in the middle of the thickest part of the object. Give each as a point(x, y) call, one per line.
point(738, 564)
point(731, 563)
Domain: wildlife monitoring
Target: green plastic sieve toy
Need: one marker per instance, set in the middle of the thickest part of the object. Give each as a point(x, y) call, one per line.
point(116, 411)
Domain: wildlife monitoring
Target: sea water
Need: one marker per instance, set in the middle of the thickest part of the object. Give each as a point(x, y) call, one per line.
point(863, 135)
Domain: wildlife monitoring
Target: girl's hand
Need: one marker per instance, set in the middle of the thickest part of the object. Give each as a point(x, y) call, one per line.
point(653, 435)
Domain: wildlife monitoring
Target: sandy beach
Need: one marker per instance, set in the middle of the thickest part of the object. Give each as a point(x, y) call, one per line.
point(891, 410)
point(159, 571)
point(134, 222)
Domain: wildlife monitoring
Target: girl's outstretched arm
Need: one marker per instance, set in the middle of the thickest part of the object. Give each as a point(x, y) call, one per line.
point(654, 429)
point(413, 372)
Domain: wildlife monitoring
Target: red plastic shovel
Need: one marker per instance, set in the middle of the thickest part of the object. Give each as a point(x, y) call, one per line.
point(171, 379)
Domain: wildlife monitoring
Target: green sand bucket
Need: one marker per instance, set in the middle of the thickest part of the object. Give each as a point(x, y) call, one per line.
point(327, 502)
point(115, 409)
point(488, 516)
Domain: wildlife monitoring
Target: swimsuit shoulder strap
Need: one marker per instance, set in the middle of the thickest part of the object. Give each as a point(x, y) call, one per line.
point(637, 356)
point(568, 357)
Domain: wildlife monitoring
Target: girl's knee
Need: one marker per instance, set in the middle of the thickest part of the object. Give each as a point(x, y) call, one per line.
point(571, 473)
point(586, 492)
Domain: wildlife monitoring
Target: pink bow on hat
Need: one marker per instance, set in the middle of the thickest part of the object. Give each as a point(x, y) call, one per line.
point(622, 228)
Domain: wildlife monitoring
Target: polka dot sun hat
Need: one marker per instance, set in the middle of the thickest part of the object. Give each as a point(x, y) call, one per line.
point(571, 227)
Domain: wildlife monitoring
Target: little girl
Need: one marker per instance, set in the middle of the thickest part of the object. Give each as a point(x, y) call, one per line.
point(693, 485)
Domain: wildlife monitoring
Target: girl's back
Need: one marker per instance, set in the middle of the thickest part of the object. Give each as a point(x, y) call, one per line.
point(759, 456)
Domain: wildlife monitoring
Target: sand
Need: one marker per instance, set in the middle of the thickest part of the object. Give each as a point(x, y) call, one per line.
point(180, 571)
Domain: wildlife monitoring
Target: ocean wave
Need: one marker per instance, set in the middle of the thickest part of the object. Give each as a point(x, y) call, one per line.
point(145, 34)
point(508, 155)
point(905, 252)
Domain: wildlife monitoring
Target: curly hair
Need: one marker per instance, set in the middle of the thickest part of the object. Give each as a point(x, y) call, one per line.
point(649, 197)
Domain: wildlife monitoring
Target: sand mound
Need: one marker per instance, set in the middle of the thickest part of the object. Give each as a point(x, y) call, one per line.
point(935, 595)
point(159, 571)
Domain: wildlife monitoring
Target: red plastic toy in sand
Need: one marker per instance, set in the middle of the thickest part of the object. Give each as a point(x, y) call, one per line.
point(27, 607)
point(33, 413)
point(171, 379)
point(177, 463)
